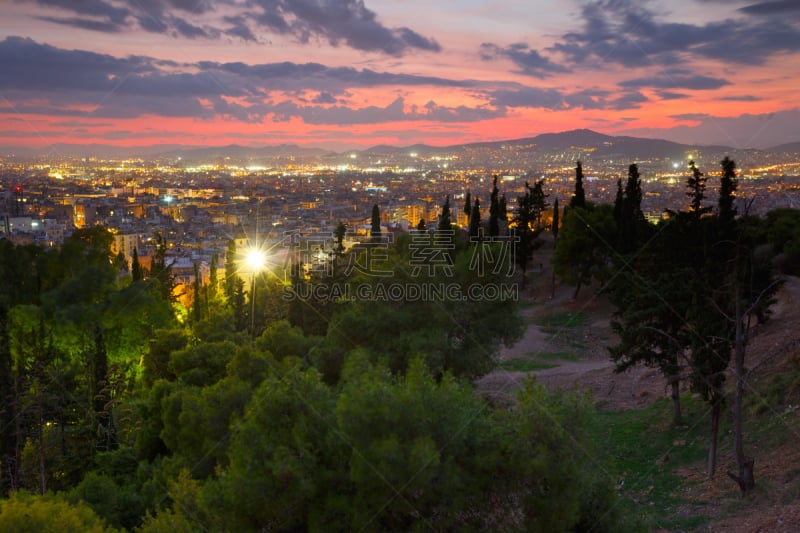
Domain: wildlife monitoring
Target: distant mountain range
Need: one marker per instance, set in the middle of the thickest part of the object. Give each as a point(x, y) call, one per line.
point(583, 142)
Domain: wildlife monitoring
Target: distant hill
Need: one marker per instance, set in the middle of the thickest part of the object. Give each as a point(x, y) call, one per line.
point(785, 148)
point(581, 143)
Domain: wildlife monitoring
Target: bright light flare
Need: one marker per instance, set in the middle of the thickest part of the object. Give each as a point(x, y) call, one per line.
point(255, 260)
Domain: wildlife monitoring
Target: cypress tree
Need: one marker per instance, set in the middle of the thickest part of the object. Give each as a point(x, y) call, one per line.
point(494, 210)
point(375, 229)
point(136, 267)
point(579, 198)
point(444, 217)
point(475, 221)
point(468, 205)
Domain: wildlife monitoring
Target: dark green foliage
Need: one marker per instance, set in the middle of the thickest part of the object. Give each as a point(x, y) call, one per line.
point(468, 205)
point(161, 269)
point(585, 245)
point(452, 335)
point(201, 365)
point(23, 513)
point(402, 454)
point(525, 227)
point(156, 360)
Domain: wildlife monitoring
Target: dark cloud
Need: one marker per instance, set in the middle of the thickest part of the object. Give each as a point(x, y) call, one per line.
point(691, 116)
point(671, 95)
point(30, 65)
point(335, 80)
point(528, 60)
point(741, 98)
point(676, 82)
point(339, 22)
point(394, 112)
point(627, 33)
point(86, 24)
point(535, 97)
point(776, 7)
point(103, 9)
point(42, 79)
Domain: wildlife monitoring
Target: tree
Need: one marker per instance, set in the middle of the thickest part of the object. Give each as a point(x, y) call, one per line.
point(538, 202)
point(468, 205)
point(579, 197)
point(494, 210)
point(556, 215)
point(526, 231)
point(697, 186)
point(444, 218)
point(136, 267)
point(339, 234)
point(475, 221)
point(161, 270)
point(421, 226)
point(32, 514)
point(632, 222)
point(230, 272)
point(375, 228)
point(584, 246)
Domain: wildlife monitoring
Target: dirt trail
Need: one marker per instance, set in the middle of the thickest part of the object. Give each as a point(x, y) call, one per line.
point(589, 366)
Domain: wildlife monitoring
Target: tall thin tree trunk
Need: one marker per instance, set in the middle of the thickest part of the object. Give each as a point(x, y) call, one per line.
point(677, 415)
point(746, 477)
point(577, 290)
point(716, 407)
point(42, 471)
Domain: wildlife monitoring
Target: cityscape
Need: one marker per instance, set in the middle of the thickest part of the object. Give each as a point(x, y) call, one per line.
point(361, 265)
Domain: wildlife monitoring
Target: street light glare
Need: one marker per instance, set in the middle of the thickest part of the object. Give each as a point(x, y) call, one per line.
point(256, 260)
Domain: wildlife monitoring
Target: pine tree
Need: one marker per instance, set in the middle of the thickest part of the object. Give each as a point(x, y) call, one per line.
point(579, 198)
point(697, 186)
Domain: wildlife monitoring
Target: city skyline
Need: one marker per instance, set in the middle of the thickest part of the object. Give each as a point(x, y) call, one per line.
point(342, 74)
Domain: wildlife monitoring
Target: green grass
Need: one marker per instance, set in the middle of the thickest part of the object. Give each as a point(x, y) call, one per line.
point(644, 449)
point(524, 365)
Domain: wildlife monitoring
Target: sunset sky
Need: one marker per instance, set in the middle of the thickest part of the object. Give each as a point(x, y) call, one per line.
point(346, 74)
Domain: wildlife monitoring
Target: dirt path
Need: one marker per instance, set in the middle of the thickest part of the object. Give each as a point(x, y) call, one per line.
point(585, 364)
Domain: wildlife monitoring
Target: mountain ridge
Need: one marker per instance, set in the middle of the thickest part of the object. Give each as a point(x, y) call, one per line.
point(586, 141)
